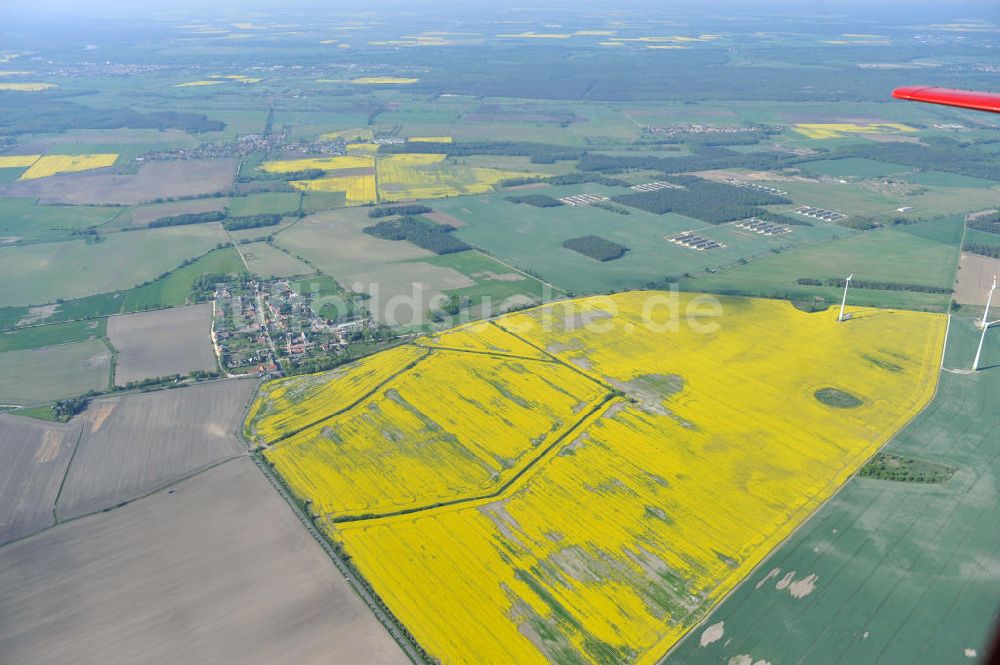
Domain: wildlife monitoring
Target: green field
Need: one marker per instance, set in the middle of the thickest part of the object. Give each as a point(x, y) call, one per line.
point(37, 337)
point(169, 291)
point(939, 179)
point(46, 272)
point(496, 286)
point(924, 254)
point(531, 238)
point(977, 237)
point(268, 261)
point(174, 289)
point(264, 203)
point(22, 219)
point(854, 167)
point(905, 572)
point(43, 375)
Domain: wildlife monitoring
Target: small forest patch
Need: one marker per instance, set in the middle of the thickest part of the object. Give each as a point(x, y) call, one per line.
point(838, 399)
point(906, 470)
point(596, 247)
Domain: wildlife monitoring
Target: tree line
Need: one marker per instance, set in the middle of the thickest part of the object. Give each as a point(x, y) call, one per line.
point(839, 282)
point(228, 223)
point(414, 209)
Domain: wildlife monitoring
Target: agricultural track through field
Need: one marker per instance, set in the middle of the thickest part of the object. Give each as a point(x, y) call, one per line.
point(506, 488)
point(510, 485)
point(513, 483)
point(366, 395)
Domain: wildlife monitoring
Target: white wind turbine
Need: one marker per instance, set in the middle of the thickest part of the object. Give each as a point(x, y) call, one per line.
point(844, 301)
point(985, 325)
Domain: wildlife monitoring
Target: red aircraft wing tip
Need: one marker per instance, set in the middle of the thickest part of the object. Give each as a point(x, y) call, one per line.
point(968, 99)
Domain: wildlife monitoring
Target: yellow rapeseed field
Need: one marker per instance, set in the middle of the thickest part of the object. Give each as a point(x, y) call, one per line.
point(430, 139)
point(536, 35)
point(362, 134)
point(426, 176)
point(482, 336)
point(17, 161)
point(608, 544)
point(194, 84)
point(357, 189)
point(433, 434)
point(48, 165)
point(383, 80)
point(836, 130)
point(362, 148)
point(27, 87)
point(288, 404)
point(324, 163)
point(401, 176)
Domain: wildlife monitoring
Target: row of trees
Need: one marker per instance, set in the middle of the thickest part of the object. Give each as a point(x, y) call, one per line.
point(536, 200)
point(988, 223)
point(188, 218)
point(839, 282)
point(413, 209)
point(229, 223)
point(982, 249)
point(251, 221)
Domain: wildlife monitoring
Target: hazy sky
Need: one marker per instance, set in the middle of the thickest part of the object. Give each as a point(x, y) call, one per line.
point(979, 8)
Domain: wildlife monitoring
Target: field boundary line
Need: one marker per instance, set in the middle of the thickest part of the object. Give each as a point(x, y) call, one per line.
point(410, 365)
point(233, 243)
point(122, 504)
point(62, 483)
point(518, 270)
point(493, 354)
point(779, 545)
point(559, 360)
point(504, 489)
point(113, 364)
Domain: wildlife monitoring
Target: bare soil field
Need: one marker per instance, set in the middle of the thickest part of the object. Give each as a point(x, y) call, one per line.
point(390, 271)
point(975, 275)
point(162, 342)
point(722, 175)
point(154, 180)
point(35, 455)
point(216, 570)
point(135, 444)
point(143, 216)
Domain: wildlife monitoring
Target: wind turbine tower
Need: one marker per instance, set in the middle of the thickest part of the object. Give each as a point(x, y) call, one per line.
point(989, 299)
point(843, 302)
point(985, 325)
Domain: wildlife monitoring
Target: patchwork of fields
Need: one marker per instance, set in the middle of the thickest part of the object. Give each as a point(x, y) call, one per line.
point(368, 178)
point(637, 474)
point(902, 572)
point(600, 479)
